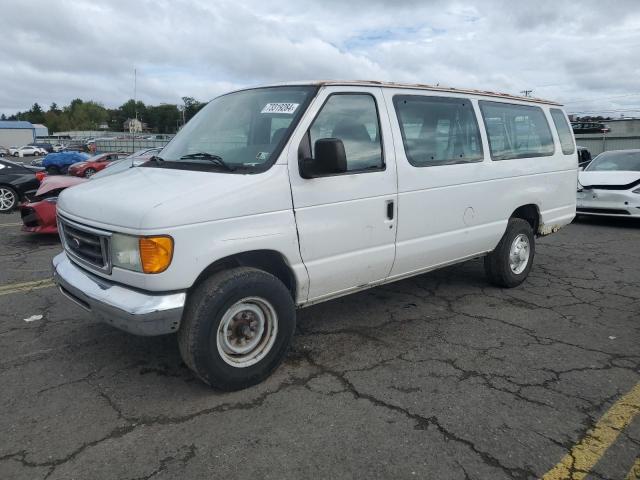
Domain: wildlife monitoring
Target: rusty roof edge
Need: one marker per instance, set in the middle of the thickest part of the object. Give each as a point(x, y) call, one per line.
point(416, 86)
point(437, 88)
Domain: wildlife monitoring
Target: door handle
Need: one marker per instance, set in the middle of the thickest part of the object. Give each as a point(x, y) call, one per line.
point(390, 209)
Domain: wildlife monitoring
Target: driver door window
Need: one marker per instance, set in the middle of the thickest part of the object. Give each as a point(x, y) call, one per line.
point(352, 118)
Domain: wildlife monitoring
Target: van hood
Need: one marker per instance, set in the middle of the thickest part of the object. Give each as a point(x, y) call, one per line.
point(587, 178)
point(154, 198)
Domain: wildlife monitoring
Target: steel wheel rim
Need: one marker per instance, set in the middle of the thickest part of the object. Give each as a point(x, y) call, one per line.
point(247, 332)
point(519, 254)
point(7, 199)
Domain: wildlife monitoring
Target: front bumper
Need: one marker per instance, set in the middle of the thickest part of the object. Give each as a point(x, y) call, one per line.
point(615, 203)
point(134, 311)
point(39, 217)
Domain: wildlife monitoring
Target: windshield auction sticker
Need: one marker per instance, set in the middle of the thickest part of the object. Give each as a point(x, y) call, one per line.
point(280, 108)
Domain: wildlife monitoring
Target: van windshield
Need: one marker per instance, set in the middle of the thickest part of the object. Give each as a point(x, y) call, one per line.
point(241, 132)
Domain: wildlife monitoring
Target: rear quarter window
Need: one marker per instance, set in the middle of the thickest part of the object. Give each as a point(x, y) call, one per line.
point(565, 134)
point(516, 131)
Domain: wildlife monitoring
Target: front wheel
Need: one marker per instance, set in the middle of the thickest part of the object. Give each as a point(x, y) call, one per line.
point(237, 327)
point(88, 172)
point(8, 199)
point(510, 263)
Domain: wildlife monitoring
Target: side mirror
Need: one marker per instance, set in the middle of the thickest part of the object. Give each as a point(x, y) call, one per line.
point(330, 159)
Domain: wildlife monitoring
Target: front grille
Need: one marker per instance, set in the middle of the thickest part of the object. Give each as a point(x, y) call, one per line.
point(84, 244)
point(604, 211)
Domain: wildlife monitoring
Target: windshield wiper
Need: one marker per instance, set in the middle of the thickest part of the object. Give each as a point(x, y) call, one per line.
point(156, 159)
point(217, 159)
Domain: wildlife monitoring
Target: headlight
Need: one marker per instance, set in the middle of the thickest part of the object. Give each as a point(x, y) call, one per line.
point(141, 254)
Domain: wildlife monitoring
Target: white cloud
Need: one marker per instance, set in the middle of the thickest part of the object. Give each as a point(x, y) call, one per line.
point(60, 50)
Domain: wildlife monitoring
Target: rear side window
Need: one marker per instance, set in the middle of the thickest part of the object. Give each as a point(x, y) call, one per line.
point(565, 134)
point(516, 131)
point(353, 118)
point(437, 130)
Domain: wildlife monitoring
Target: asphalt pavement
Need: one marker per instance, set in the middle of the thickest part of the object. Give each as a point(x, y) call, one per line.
point(436, 377)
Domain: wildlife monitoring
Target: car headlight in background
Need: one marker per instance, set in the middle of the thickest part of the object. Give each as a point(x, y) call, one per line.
point(141, 254)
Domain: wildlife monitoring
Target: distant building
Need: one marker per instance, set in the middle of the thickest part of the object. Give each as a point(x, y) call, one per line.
point(134, 125)
point(41, 130)
point(624, 126)
point(16, 133)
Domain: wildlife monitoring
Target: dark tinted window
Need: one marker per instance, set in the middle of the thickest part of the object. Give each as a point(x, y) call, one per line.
point(438, 130)
point(353, 118)
point(565, 133)
point(516, 131)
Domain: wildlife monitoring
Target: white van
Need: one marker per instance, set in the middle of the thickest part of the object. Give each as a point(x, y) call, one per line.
point(276, 198)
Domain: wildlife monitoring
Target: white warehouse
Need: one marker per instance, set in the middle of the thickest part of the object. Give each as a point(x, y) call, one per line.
point(16, 133)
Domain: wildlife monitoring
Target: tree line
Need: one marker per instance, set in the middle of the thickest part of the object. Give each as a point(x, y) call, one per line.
point(90, 115)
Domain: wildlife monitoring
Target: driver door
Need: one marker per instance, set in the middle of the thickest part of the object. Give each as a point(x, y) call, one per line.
point(346, 222)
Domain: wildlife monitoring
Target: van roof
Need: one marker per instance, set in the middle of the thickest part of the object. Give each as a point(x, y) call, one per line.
point(421, 86)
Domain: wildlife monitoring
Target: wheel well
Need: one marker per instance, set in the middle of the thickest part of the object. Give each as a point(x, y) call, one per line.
point(529, 213)
point(268, 260)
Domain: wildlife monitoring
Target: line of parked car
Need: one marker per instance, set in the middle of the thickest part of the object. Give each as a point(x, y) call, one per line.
point(34, 188)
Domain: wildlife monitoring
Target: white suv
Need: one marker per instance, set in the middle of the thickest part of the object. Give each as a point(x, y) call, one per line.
point(27, 150)
point(276, 198)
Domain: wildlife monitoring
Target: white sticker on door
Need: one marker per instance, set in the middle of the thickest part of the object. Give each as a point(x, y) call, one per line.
point(280, 108)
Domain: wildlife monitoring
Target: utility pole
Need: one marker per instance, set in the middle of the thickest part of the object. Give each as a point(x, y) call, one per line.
point(526, 93)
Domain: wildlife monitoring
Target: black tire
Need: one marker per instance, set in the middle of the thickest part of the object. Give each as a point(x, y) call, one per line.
point(201, 322)
point(497, 265)
point(16, 154)
point(89, 172)
point(53, 170)
point(5, 191)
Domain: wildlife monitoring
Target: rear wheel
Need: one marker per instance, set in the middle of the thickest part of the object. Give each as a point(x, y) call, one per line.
point(89, 171)
point(8, 199)
point(236, 327)
point(510, 263)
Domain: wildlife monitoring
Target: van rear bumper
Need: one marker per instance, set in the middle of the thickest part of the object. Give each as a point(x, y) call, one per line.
point(134, 311)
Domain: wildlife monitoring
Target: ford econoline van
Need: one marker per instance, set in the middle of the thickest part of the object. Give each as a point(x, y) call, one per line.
point(272, 199)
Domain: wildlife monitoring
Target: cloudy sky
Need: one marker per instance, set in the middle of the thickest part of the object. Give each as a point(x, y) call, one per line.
point(583, 53)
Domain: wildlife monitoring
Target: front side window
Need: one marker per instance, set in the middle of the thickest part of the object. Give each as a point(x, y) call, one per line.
point(437, 130)
point(241, 132)
point(516, 131)
point(352, 118)
point(565, 133)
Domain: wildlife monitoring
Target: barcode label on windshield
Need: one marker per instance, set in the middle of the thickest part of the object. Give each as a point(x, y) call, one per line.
point(280, 108)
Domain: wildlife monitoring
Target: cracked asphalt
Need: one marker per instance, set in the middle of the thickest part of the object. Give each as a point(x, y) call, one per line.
point(440, 376)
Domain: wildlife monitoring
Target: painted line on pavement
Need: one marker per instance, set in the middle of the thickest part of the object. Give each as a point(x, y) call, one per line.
point(26, 286)
point(9, 224)
point(577, 464)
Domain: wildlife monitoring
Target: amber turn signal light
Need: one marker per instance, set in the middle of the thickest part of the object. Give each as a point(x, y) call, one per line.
point(155, 253)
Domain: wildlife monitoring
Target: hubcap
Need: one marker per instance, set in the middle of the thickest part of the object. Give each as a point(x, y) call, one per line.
point(247, 332)
point(7, 199)
point(519, 254)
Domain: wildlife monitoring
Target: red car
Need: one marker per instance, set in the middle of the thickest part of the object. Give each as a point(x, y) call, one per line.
point(93, 164)
point(39, 215)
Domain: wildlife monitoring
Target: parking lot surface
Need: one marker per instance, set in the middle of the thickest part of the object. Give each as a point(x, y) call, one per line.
point(440, 376)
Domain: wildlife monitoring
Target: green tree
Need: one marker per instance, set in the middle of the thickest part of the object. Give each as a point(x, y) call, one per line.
point(191, 107)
